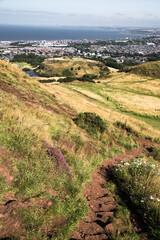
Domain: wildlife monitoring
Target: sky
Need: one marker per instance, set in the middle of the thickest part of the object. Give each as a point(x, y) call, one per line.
point(137, 13)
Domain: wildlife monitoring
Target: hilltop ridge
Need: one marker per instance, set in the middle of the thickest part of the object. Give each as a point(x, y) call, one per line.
point(147, 69)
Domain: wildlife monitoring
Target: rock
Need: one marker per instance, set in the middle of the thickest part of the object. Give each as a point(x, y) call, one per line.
point(96, 237)
point(50, 204)
point(76, 235)
point(90, 228)
point(109, 229)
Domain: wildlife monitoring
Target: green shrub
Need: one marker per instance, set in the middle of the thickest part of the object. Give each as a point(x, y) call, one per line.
point(88, 78)
point(91, 122)
point(138, 179)
point(47, 80)
point(67, 79)
point(67, 73)
point(156, 153)
point(26, 69)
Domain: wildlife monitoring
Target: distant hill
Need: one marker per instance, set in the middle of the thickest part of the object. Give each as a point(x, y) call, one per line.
point(147, 69)
point(71, 67)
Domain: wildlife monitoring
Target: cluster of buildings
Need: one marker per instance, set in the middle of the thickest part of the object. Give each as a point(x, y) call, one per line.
point(128, 49)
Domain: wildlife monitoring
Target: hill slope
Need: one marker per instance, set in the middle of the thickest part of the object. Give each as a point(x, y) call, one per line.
point(47, 158)
point(75, 67)
point(148, 69)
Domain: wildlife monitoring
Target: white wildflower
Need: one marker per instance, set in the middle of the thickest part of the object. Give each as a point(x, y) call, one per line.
point(127, 164)
point(151, 198)
point(153, 166)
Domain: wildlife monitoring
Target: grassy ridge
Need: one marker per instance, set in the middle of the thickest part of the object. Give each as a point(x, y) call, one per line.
point(71, 67)
point(147, 69)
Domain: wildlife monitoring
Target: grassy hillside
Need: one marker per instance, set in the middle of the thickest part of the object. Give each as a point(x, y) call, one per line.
point(147, 69)
point(75, 67)
point(48, 151)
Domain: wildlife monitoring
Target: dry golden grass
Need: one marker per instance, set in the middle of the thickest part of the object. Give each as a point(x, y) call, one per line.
point(83, 104)
point(141, 104)
point(79, 66)
point(142, 85)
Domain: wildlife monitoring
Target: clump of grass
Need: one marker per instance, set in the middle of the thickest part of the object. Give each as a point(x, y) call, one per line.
point(91, 122)
point(139, 180)
point(156, 153)
point(124, 139)
point(121, 220)
point(126, 127)
point(3, 186)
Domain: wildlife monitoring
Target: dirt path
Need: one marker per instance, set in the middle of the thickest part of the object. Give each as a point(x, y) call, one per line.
point(97, 225)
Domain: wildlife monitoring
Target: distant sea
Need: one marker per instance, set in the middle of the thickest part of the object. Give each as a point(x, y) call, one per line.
point(17, 33)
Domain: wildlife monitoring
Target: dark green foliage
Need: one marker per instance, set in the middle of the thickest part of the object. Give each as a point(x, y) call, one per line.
point(156, 153)
point(154, 56)
point(110, 62)
point(84, 78)
point(91, 122)
point(21, 44)
point(67, 79)
point(31, 58)
point(67, 73)
point(26, 69)
point(88, 78)
point(47, 80)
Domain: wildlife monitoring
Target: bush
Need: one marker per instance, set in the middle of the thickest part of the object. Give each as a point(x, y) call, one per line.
point(156, 153)
point(91, 122)
point(139, 180)
point(31, 58)
point(88, 78)
point(67, 73)
point(47, 80)
point(67, 79)
point(26, 69)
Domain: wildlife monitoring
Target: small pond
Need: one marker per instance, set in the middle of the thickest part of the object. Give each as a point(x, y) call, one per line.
point(32, 73)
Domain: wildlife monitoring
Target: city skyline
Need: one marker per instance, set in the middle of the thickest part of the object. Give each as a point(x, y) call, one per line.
point(140, 13)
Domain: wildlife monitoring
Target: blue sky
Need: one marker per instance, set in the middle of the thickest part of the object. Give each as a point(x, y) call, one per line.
point(142, 13)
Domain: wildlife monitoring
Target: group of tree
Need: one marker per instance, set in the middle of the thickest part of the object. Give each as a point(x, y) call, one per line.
point(31, 59)
point(84, 78)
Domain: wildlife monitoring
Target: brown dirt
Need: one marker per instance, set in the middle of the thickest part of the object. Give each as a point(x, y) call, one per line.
point(6, 160)
point(97, 225)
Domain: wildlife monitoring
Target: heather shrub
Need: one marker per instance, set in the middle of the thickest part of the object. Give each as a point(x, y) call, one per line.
point(57, 157)
point(91, 122)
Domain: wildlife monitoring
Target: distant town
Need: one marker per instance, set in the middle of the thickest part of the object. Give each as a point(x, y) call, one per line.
point(128, 50)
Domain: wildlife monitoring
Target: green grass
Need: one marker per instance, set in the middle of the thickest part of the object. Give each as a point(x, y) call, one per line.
point(112, 104)
point(139, 180)
point(25, 123)
point(122, 217)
